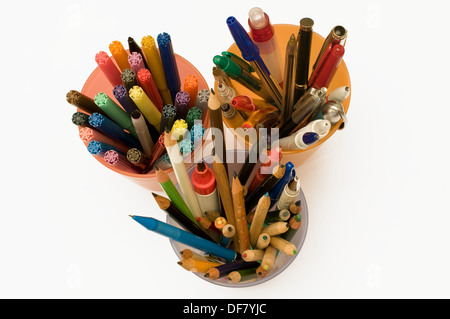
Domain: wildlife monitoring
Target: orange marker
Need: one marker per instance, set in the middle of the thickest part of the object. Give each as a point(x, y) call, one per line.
point(191, 87)
point(119, 54)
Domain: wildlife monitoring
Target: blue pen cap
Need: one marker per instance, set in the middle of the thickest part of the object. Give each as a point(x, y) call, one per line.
point(249, 50)
point(310, 138)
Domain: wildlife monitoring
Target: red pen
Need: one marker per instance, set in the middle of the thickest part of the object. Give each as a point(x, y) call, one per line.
point(327, 66)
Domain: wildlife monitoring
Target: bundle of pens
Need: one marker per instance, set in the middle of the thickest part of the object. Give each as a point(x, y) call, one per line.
point(294, 100)
point(125, 126)
point(237, 224)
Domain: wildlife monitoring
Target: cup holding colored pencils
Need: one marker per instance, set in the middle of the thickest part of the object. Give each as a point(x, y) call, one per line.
point(285, 77)
point(211, 245)
point(128, 101)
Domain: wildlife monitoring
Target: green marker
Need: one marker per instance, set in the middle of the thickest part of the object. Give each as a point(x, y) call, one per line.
point(235, 72)
point(115, 112)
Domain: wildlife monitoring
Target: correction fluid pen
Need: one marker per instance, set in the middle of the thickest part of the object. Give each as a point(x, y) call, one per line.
point(204, 184)
point(263, 34)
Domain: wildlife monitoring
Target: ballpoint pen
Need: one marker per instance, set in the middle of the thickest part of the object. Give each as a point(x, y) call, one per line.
point(250, 53)
point(338, 35)
point(240, 75)
point(239, 61)
point(303, 56)
point(289, 80)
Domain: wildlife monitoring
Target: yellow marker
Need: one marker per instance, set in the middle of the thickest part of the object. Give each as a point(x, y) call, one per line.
point(156, 68)
point(179, 128)
point(119, 54)
point(146, 106)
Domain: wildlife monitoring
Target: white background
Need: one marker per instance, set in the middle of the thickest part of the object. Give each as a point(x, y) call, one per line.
point(377, 192)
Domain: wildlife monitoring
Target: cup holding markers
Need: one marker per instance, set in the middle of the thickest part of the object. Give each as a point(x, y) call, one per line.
point(128, 99)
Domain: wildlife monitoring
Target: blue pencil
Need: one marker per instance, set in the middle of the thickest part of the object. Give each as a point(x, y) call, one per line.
point(185, 237)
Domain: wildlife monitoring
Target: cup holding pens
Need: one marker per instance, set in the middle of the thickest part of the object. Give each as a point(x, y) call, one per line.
point(340, 79)
point(282, 260)
point(98, 82)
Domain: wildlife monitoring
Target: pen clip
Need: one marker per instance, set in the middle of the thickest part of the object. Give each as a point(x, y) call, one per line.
point(239, 61)
point(320, 63)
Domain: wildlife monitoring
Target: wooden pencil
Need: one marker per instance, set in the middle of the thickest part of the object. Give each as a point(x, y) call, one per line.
point(216, 122)
point(239, 215)
point(283, 245)
point(197, 265)
point(181, 174)
point(276, 228)
point(263, 241)
point(253, 254)
point(258, 219)
point(223, 185)
point(270, 254)
point(183, 220)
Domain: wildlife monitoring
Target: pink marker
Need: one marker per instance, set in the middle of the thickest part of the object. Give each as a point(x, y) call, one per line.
point(119, 161)
point(108, 67)
point(136, 62)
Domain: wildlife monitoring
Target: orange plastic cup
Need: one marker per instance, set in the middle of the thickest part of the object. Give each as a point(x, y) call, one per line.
point(97, 82)
point(341, 78)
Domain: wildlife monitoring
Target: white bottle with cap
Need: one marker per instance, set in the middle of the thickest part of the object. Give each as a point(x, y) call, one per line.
point(263, 35)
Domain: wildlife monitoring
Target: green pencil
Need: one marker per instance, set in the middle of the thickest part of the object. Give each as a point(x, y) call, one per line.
point(173, 194)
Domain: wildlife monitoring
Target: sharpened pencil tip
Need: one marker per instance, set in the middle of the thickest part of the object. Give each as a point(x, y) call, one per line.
point(234, 174)
point(132, 216)
point(267, 194)
point(154, 195)
point(206, 275)
point(179, 263)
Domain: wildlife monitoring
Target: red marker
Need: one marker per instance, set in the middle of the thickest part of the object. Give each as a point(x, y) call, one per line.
point(327, 66)
point(204, 184)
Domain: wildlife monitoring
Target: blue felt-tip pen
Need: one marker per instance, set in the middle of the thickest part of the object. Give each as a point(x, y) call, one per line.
point(185, 237)
point(169, 63)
